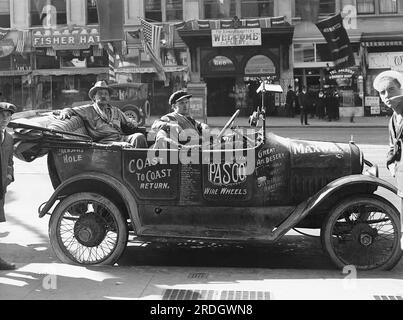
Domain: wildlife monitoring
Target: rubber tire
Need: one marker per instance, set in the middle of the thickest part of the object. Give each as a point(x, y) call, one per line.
point(147, 109)
point(340, 207)
point(134, 110)
point(59, 211)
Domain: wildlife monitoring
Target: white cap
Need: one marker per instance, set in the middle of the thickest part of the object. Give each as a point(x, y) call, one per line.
point(388, 74)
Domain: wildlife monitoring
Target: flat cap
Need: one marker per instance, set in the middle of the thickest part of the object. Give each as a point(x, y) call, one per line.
point(177, 96)
point(5, 106)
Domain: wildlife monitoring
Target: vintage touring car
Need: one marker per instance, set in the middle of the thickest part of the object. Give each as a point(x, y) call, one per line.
point(104, 192)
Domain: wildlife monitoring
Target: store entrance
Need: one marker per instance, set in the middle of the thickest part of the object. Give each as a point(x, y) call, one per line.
point(220, 96)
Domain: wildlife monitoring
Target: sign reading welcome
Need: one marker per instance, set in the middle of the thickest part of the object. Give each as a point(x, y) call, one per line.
point(236, 37)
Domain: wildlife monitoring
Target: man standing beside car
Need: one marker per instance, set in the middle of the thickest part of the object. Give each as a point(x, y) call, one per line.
point(6, 163)
point(389, 84)
point(106, 123)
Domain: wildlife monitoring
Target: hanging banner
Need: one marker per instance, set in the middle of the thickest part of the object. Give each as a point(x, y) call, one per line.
point(338, 42)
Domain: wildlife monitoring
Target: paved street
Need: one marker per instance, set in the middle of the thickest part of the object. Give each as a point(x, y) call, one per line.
point(293, 268)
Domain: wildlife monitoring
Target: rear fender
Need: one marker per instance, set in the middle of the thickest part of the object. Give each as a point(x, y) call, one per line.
point(343, 185)
point(99, 183)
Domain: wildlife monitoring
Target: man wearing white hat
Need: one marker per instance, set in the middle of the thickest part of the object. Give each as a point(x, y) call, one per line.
point(6, 164)
point(389, 84)
point(104, 122)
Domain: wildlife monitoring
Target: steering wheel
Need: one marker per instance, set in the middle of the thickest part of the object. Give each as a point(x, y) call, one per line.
point(228, 124)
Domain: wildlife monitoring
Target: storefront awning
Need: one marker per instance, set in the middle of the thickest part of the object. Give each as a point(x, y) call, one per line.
point(382, 39)
point(72, 71)
point(11, 73)
point(150, 69)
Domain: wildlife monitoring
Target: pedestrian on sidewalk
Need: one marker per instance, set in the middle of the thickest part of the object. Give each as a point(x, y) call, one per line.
point(289, 102)
point(304, 100)
point(7, 164)
point(389, 84)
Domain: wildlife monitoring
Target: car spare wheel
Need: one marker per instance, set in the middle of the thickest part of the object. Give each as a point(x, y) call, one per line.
point(87, 229)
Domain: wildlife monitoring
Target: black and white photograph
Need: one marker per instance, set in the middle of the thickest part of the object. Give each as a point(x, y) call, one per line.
point(201, 158)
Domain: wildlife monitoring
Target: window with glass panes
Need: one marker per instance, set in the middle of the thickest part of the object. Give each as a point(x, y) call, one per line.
point(326, 7)
point(214, 9)
point(365, 6)
point(387, 6)
point(257, 8)
point(40, 9)
point(5, 13)
point(163, 10)
point(92, 13)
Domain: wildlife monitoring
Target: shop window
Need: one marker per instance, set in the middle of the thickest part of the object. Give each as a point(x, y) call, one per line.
point(365, 6)
point(5, 63)
point(215, 9)
point(92, 13)
point(73, 62)
point(253, 8)
point(5, 13)
point(49, 13)
point(163, 10)
point(47, 62)
point(304, 52)
point(388, 6)
point(175, 57)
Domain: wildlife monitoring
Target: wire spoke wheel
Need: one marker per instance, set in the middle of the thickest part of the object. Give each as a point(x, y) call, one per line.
point(87, 229)
point(363, 231)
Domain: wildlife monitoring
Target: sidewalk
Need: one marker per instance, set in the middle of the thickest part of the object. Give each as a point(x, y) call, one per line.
point(278, 122)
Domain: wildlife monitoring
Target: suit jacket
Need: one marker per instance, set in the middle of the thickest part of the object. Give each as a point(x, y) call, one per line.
point(304, 100)
point(7, 169)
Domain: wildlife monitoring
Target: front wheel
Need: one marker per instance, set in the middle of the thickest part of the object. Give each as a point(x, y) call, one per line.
point(87, 229)
point(363, 231)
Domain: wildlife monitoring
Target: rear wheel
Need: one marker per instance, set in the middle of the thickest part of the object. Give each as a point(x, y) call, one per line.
point(87, 229)
point(363, 231)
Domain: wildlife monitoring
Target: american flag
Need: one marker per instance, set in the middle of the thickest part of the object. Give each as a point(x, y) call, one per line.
point(22, 38)
point(151, 38)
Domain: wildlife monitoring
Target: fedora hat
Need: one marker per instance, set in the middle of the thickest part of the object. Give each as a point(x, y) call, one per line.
point(97, 86)
point(388, 74)
point(177, 96)
point(5, 106)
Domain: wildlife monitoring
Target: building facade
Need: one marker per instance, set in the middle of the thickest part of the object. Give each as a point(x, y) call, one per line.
point(218, 49)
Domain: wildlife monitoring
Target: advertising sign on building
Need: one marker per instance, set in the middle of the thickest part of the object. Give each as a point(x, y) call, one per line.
point(65, 38)
point(236, 37)
point(373, 103)
point(386, 60)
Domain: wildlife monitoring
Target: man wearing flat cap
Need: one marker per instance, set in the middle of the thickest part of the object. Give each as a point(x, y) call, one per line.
point(104, 122)
point(7, 164)
point(389, 84)
point(173, 124)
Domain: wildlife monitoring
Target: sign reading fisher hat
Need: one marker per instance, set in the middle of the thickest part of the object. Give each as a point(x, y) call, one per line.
point(6, 106)
point(97, 86)
point(177, 96)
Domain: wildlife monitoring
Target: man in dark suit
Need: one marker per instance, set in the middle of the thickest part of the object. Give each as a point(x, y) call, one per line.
point(7, 164)
point(304, 101)
point(289, 102)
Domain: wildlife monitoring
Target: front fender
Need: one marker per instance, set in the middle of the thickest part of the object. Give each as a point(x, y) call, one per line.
point(337, 186)
point(99, 183)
